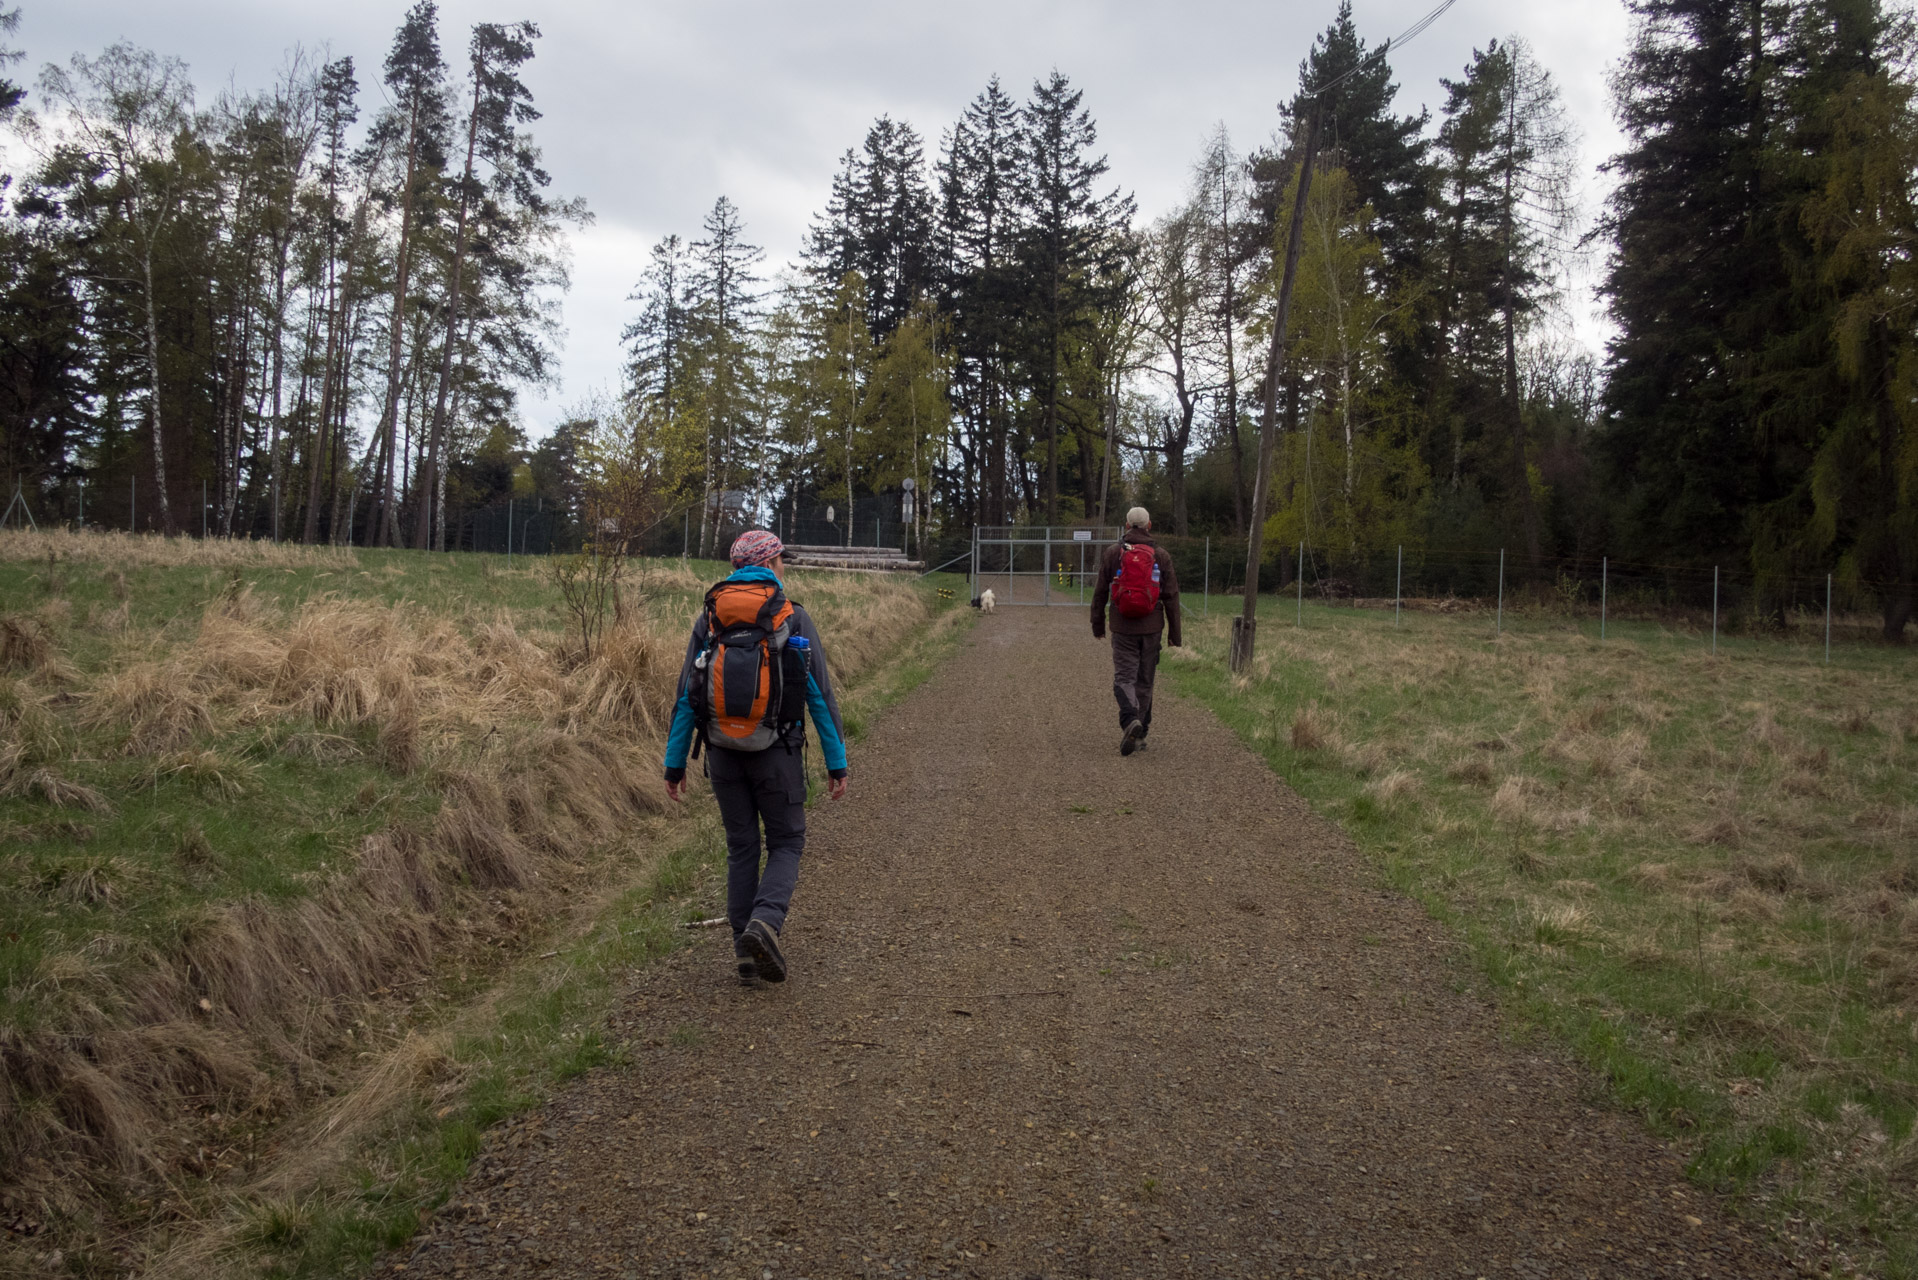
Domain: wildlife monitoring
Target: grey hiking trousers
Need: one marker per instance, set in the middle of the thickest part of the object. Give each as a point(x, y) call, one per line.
point(1135, 660)
point(753, 788)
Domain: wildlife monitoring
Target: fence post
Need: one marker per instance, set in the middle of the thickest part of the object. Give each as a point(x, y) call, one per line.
point(1828, 619)
point(1498, 622)
point(1604, 587)
point(686, 536)
point(1398, 587)
point(1300, 620)
point(1207, 599)
point(1714, 610)
point(203, 509)
point(83, 504)
point(509, 533)
point(133, 502)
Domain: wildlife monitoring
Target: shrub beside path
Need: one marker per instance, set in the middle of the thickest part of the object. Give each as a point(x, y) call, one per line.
point(1058, 1013)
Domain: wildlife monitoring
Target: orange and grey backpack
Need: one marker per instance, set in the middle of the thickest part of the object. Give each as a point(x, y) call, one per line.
point(749, 686)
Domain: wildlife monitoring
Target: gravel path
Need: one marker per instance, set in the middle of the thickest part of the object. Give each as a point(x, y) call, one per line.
point(1056, 1013)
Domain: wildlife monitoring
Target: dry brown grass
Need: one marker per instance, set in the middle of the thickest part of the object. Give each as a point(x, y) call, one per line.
point(540, 764)
point(1309, 730)
point(25, 643)
point(122, 551)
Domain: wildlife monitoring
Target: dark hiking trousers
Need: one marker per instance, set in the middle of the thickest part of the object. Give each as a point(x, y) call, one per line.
point(755, 787)
point(1135, 660)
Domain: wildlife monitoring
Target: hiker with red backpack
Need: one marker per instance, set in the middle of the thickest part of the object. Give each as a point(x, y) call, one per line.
point(1137, 581)
point(754, 668)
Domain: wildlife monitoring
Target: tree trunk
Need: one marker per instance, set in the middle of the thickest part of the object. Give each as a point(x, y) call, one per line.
point(1052, 409)
point(388, 532)
point(1896, 557)
point(316, 464)
point(279, 370)
point(1514, 410)
point(153, 389)
point(1175, 446)
point(428, 474)
point(1231, 364)
point(439, 470)
point(1244, 628)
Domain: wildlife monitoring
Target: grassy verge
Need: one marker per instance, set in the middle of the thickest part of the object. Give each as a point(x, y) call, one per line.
point(500, 1054)
point(1698, 871)
point(270, 816)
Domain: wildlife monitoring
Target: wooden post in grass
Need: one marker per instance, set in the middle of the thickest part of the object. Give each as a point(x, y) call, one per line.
point(1604, 586)
point(1246, 624)
point(1828, 619)
point(1498, 622)
point(1398, 587)
point(1300, 620)
point(1714, 611)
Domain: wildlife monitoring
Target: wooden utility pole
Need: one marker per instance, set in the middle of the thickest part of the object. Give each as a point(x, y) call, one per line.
point(1245, 625)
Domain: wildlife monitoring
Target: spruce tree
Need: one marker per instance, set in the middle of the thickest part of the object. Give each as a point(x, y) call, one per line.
point(1505, 213)
point(979, 225)
point(1069, 236)
point(656, 341)
point(1838, 381)
point(1697, 277)
point(1383, 154)
point(879, 223)
point(723, 305)
point(11, 94)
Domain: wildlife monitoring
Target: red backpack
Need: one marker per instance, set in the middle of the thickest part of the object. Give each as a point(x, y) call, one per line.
point(1135, 590)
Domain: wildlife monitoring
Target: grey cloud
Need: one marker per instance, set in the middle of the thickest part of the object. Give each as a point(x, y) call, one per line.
point(651, 111)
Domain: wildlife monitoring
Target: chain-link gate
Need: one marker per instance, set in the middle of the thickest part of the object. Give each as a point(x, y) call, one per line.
point(1053, 564)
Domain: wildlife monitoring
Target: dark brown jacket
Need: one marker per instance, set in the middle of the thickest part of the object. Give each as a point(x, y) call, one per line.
point(1166, 615)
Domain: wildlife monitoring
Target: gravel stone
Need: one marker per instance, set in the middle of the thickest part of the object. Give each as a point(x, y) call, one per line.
point(1058, 1013)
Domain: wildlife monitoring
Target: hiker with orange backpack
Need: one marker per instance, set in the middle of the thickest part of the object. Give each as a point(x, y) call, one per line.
point(1137, 580)
point(754, 667)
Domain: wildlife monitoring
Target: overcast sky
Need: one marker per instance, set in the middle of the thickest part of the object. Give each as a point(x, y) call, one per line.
point(653, 110)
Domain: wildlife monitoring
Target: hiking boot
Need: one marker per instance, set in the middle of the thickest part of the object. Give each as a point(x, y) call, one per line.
point(748, 971)
point(1134, 735)
point(761, 944)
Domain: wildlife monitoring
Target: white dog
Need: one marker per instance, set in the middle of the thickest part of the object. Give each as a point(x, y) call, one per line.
point(985, 600)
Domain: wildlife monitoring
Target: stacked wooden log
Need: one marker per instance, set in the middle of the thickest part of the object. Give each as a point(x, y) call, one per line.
point(854, 559)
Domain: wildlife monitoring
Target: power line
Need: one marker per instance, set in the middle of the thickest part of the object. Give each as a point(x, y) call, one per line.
point(1406, 36)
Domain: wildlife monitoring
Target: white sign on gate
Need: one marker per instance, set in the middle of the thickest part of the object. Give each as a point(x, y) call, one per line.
point(1082, 535)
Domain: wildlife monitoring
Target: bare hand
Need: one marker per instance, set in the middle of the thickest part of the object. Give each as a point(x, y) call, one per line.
point(835, 788)
point(676, 791)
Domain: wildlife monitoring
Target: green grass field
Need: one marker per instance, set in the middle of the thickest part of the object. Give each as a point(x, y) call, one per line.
point(1699, 872)
point(314, 862)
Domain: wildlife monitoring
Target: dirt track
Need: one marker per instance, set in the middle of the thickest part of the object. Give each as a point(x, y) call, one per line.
point(1055, 1013)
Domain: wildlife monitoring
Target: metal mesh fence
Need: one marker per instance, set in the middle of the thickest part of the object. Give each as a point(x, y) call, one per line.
point(1037, 565)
